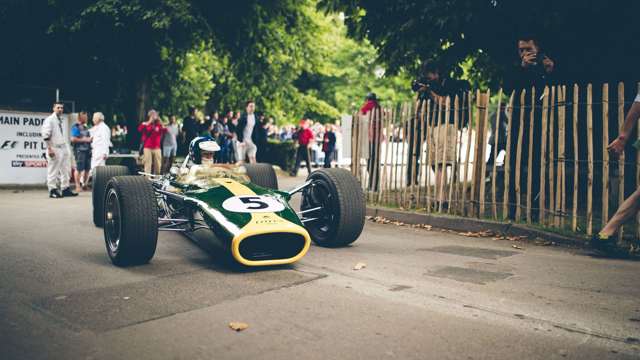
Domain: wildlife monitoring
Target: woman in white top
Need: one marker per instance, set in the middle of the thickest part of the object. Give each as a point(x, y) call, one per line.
point(101, 135)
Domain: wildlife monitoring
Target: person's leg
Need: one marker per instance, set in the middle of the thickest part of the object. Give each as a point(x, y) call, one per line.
point(306, 158)
point(53, 164)
point(252, 151)
point(65, 169)
point(625, 212)
point(77, 175)
point(327, 159)
point(147, 160)
point(294, 171)
point(157, 161)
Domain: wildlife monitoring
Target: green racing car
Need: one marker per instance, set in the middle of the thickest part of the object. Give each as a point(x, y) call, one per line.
point(240, 207)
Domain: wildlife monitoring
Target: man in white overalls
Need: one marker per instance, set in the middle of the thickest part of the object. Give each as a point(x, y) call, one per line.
point(58, 154)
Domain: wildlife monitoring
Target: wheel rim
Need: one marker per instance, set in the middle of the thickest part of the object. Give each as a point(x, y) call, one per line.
point(319, 195)
point(112, 223)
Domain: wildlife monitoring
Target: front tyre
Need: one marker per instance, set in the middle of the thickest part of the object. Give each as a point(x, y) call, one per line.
point(130, 220)
point(102, 175)
point(262, 175)
point(340, 218)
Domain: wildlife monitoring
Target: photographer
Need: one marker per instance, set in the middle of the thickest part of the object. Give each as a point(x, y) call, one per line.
point(534, 69)
point(435, 87)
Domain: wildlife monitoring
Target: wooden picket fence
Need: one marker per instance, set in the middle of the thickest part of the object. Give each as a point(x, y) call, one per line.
point(397, 150)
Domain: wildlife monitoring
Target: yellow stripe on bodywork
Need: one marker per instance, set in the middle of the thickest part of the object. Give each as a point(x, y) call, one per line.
point(262, 223)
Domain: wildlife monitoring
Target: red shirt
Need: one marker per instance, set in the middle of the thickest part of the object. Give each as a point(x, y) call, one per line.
point(305, 136)
point(369, 105)
point(151, 135)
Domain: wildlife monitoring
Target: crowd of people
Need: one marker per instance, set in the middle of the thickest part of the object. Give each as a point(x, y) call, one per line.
point(241, 136)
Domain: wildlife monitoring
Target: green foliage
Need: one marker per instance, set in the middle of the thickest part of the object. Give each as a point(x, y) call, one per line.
point(125, 56)
point(590, 41)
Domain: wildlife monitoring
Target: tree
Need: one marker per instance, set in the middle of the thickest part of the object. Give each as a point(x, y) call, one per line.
point(590, 40)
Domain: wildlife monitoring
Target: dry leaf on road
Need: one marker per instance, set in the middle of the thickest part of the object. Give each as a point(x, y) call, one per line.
point(359, 266)
point(517, 247)
point(238, 326)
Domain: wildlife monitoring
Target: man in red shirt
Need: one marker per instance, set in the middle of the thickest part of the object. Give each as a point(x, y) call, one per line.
point(152, 131)
point(304, 135)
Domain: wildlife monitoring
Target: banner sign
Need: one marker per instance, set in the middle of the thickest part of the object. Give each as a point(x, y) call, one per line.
point(22, 150)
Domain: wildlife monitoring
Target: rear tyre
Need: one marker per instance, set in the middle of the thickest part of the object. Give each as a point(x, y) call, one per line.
point(101, 176)
point(340, 220)
point(262, 175)
point(130, 220)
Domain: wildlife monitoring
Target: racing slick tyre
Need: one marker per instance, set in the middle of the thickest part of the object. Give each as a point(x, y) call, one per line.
point(130, 220)
point(100, 178)
point(340, 217)
point(262, 175)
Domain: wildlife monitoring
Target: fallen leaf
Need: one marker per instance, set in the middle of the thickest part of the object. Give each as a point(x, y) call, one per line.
point(126, 298)
point(238, 326)
point(359, 266)
point(517, 247)
point(542, 243)
point(61, 297)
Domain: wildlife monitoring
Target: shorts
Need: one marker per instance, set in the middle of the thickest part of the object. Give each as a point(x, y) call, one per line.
point(83, 160)
point(169, 151)
point(447, 140)
point(246, 148)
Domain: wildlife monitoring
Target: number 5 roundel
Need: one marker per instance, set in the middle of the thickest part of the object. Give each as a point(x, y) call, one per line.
point(252, 204)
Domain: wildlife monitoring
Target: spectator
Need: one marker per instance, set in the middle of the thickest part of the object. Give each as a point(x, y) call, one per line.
point(262, 140)
point(190, 126)
point(224, 140)
point(152, 132)
point(304, 136)
point(434, 86)
point(328, 145)
point(170, 144)
point(101, 135)
point(81, 140)
point(233, 127)
point(58, 154)
point(605, 239)
point(535, 69)
point(248, 133)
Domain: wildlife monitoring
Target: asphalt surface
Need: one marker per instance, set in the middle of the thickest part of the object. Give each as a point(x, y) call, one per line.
point(422, 295)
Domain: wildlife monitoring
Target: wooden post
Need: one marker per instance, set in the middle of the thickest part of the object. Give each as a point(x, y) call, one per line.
point(458, 192)
point(530, 160)
point(413, 155)
point(574, 219)
point(419, 151)
point(590, 160)
point(483, 147)
point(494, 173)
point(384, 129)
point(465, 175)
point(520, 140)
point(543, 157)
point(403, 157)
point(398, 131)
point(561, 188)
point(431, 115)
point(436, 133)
point(455, 155)
point(377, 133)
point(443, 175)
point(621, 157)
point(552, 178)
point(474, 175)
point(605, 154)
point(507, 158)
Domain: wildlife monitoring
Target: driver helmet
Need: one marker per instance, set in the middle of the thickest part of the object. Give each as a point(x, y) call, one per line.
point(201, 150)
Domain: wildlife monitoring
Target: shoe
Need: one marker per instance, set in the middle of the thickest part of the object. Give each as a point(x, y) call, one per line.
point(55, 194)
point(67, 192)
point(605, 245)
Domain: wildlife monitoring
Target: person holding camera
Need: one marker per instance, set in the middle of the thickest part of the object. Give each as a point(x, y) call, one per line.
point(434, 86)
point(152, 131)
point(534, 69)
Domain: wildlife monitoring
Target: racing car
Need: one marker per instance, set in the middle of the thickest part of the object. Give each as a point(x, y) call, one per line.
point(240, 207)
